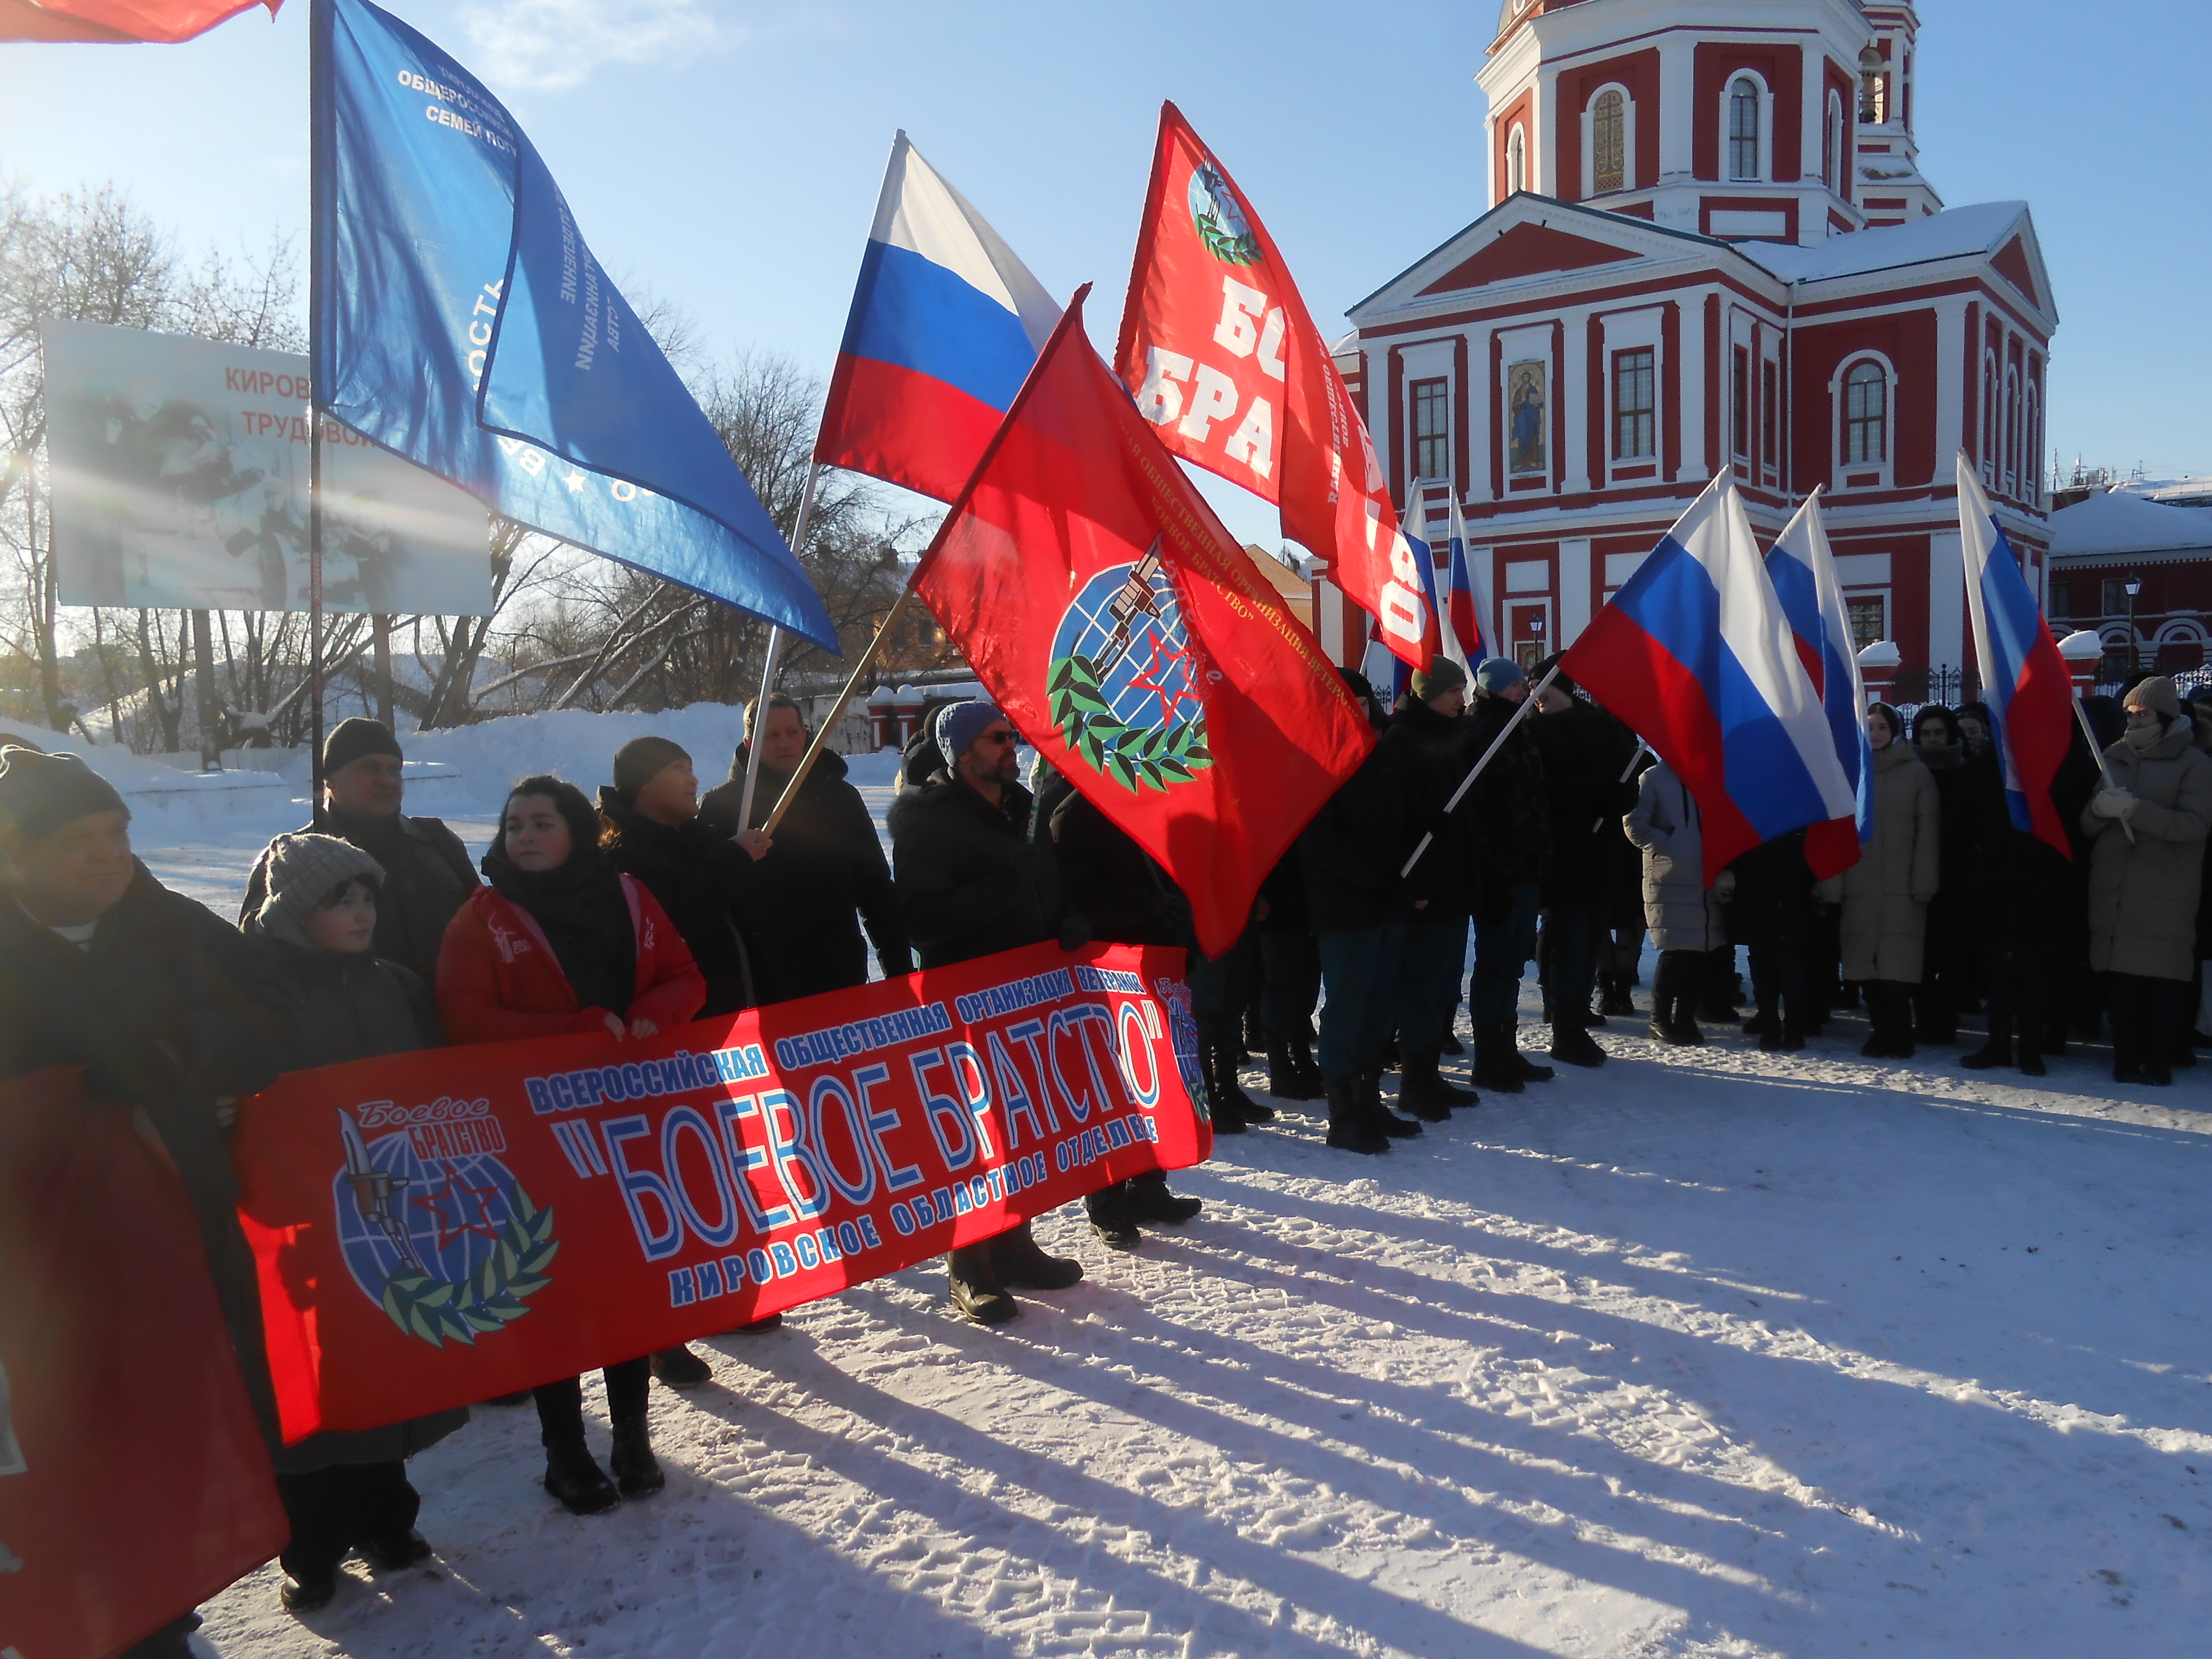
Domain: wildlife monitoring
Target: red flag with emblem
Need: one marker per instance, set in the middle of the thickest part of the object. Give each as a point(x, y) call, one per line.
point(1131, 638)
point(163, 21)
point(1226, 363)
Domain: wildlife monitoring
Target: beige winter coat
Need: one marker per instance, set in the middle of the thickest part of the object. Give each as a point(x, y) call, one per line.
point(2142, 894)
point(1885, 893)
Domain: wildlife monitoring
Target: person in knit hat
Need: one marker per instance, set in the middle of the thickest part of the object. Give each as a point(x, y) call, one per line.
point(338, 1001)
point(2143, 885)
point(427, 875)
point(158, 1000)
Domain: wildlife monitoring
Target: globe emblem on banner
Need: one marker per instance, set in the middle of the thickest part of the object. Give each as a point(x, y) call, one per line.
point(450, 1246)
point(1220, 220)
point(1182, 1033)
point(1125, 688)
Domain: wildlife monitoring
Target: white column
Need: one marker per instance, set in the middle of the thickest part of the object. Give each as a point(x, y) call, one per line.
point(1946, 600)
point(1950, 384)
point(1574, 590)
point(1543, 141)
point(1475, 487)
point(1678, 91)
point(1574, 398)
point(1690, 372)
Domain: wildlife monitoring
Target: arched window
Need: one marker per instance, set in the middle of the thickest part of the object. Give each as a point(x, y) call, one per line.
point(1608, 142)
point(1517, 162)
point(2031, 468)
point(1831, 150)
point(1989, 445)
point(1866, 414)
point(1743, 127)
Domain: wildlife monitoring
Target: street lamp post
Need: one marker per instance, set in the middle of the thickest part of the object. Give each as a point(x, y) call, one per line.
point(2134, 658)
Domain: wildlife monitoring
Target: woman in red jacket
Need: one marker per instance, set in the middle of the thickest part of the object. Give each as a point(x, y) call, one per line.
point(561, 942)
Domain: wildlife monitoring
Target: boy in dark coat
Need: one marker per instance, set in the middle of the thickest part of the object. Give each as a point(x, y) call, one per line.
point(340, 1001)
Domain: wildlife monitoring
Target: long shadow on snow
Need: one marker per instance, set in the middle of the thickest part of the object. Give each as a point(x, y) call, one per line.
point(1299, 1581)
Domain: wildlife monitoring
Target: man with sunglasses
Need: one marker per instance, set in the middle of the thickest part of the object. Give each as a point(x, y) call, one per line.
point(975, 877)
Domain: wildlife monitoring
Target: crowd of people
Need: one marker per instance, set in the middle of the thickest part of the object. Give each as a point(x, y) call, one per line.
point(371, 932)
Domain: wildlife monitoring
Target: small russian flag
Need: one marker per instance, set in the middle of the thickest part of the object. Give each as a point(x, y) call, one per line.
point(1803, 571)
point(945, 324)
point(1462, 610)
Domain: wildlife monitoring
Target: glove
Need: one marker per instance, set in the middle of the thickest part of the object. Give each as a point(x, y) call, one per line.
point(1074, 931)
point(1724, 886)
point(2114, 804)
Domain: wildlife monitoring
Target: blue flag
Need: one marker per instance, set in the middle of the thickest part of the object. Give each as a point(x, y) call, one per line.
point(461, 322)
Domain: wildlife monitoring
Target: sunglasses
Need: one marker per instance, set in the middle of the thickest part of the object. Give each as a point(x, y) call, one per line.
point(995, 736)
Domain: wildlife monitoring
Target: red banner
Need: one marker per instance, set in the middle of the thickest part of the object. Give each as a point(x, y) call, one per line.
point(1130, 638)
point(133, 1481)
point(1225, 360)
point(441, 1227)
point(161, 21)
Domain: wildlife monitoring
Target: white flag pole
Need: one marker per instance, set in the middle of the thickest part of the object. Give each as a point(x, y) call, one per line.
point(767, 668)
point(1535, 692)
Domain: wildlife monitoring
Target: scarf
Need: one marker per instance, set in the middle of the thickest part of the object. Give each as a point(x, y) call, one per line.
point(585, 915)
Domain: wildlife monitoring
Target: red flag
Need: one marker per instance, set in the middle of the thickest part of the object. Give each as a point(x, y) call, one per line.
point(1129, 637)
point(133, 1480)
point(1225, 360)
point(440, 1227)
point(164, 21)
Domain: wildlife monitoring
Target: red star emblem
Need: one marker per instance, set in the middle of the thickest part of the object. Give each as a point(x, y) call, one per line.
point(464, 1196)
point(1166, 678)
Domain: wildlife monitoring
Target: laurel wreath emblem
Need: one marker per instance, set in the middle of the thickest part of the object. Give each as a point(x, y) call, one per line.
point(488, 1300)
point(1150, 758)
point(1224, 245)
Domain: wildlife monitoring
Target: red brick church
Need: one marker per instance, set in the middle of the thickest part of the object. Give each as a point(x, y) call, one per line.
point(1713, 247)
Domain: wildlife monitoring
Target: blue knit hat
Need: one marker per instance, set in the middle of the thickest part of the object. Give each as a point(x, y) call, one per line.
point(1496, 674)
point(961, 724)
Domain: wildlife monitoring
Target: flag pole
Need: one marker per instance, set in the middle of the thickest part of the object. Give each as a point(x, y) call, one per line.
point(1496, 744)
point(774, 649)
point(844, 698)
point(318, 25)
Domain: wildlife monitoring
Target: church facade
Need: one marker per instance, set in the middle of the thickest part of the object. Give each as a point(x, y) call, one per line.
point(1712, 249)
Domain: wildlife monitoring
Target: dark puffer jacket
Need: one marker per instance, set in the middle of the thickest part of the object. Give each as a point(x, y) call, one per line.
point(428, 877)
point(706, 883)
point(1430, 750)
point(1511, 809)
point(334, 1009)
point(1118, 886)
point(1585, 751)
point(824, 879)
point(972, 878)
point(1354, 847)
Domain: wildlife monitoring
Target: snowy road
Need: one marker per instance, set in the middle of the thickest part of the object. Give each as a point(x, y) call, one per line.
point(1710, 1352)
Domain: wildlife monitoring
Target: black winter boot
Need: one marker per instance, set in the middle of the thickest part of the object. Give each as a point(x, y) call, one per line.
point(1308, 1067)
point(1385, 1121)
point(637, 1472)
point(1528, 1069)
point(1151, 1200)
point(1493, 1067)
point(1108, 1210)
point(1421, 1091)
point(1220, 1108)
point(977, 1292)
point(1997, 1051)
point(1576, 1046)
point(679, 1368)
point(1224, 1048)
point(1284, 1080)
point(1349, 1127)
point(577, 1481)
point(1017, 1258)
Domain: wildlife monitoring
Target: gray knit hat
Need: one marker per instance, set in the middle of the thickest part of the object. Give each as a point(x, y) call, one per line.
point(302, 871)
point(1495, 674)
point(39, 793)
point(2158, 694)
point(1442, 675)
point(960, 724)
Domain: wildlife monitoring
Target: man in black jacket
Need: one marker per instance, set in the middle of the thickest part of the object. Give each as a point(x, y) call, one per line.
point(976, 875)
point(427, 875)
point(1510, 824)
point(1351, 853)
point(652, 830)
point(1427, 735)
point(1583, 749)
point(154, 995)
point(826, 868)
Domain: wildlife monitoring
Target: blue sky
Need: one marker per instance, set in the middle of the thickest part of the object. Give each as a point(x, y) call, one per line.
point(727, 155)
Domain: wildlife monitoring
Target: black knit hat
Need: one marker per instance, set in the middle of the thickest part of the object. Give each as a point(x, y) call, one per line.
point(641, 760)
point(349, 739)
point(41, 792)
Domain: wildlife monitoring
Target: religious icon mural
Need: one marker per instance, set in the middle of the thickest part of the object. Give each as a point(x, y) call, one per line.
point(1525, 419)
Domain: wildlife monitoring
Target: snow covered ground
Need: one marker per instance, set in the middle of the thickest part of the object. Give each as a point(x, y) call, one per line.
point(1708, 1353)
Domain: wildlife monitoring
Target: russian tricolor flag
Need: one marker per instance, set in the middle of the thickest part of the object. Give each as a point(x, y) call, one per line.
point(1462, 608)
point(945, 324)
point(2024, 684)
point(1695, 656)
point(1803, 572)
